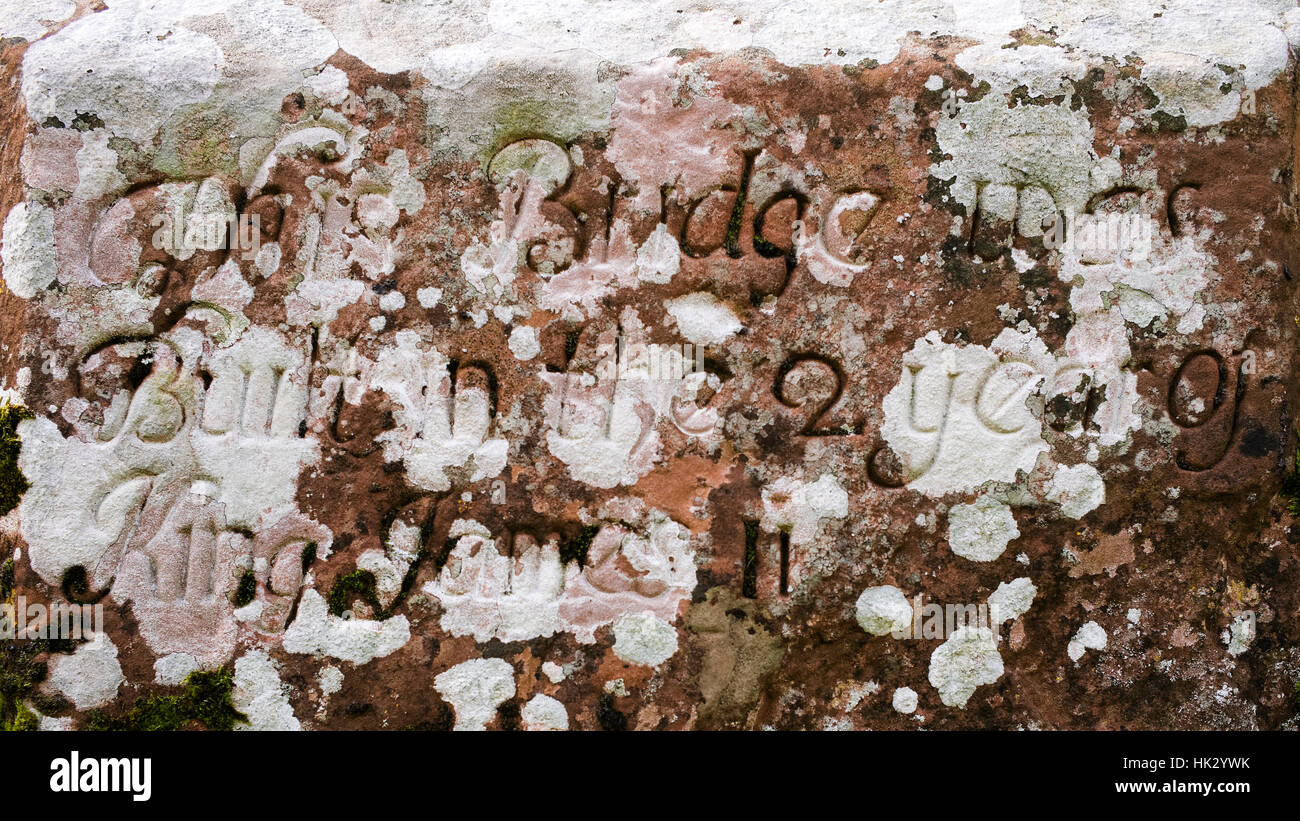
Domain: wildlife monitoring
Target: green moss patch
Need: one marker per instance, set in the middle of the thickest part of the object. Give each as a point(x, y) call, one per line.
point(206, 700)
point(577, 547)
point(12, 482)
point(246, 590)
point(359, 584)
point(20, 674)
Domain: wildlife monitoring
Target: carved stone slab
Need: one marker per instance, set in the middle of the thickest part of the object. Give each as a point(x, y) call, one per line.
point(629, 367)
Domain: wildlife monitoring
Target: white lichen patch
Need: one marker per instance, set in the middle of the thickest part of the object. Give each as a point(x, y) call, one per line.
point(245, 55)
point(828, 252)
point(605, 443)
point(455, 45)
point(849, 694)
point(958, 416)
point(238, 59)
point(428, 297)
point(1021, 163)
point(260, 695)
point(1078, 489)
point(659, 257)
point(1188, 52)
point(440, 427)
point(123, 496)
point(350, 228)
point(359, 641)
point(488, 593)
point(27, 249)
point(968, 659)
point(545, 713)
point(643, 565)
point(883, 609)
point(1044, 70)
point(1130, 267)
point(90, 676)
point(603, 424)
point(171, 669)
point(97, 174)
point(1090, 636)
point(702, 319)
point(475, 689)
point(1240, 634)
point(50, 724)
point(981, 531)
point(392, 301)
point(617, 687)
point(33, 19)
point(1128, 270)
point(1011, 600)
point(524, 344)
point(802, 508)
point(82, 67)
point(330, 679)
point(905, 700)
point(390, 565)
point(642, 638)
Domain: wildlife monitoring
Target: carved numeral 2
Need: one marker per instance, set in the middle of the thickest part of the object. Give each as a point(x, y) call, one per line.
point(788, 379)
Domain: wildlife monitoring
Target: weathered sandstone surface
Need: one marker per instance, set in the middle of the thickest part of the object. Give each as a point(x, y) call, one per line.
point(650, 365)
